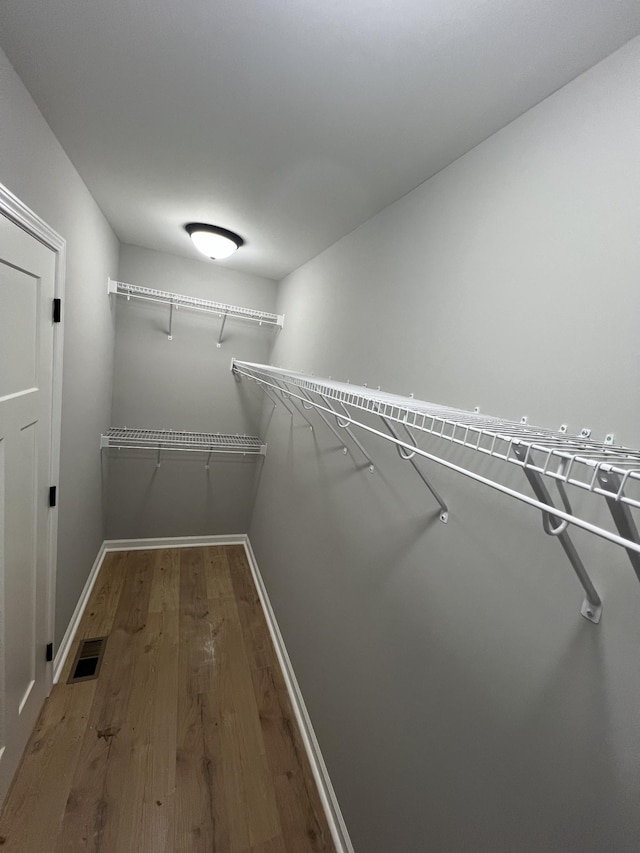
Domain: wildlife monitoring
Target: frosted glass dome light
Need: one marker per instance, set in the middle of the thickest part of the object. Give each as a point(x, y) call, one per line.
point(214, 242)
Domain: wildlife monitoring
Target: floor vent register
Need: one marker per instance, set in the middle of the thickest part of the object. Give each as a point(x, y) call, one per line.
point(88, 660)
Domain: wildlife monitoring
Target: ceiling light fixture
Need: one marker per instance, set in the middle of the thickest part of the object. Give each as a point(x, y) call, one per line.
point(214, 242)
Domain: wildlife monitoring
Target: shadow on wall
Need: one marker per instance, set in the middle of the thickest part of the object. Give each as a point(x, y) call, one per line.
point(569, 716)
point(181, 497)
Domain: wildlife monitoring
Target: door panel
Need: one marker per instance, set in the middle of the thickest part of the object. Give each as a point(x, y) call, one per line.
point(27, 284)
point(18, 330)
point(20, 582)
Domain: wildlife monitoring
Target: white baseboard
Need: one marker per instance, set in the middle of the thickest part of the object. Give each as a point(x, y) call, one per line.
point(72, 627)
point(173, 542)
point(327, 794)
point(328, 797)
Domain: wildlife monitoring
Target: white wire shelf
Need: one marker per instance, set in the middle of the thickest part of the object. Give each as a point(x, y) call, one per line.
point(495, 437)
point(124, 438)
point(599, 467)
point(177, 300)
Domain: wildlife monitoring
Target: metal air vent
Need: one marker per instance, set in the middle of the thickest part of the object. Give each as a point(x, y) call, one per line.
point(88, 660)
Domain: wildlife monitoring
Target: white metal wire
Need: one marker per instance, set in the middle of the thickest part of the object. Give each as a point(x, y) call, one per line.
point(570, 459)
point(158, 439)
point(182, 301)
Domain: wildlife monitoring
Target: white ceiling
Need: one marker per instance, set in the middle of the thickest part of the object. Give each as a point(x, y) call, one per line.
point(288, 121)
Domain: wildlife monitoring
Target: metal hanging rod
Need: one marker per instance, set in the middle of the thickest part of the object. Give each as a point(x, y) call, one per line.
point(177, 300)
point(160, 440)
point(601, 468)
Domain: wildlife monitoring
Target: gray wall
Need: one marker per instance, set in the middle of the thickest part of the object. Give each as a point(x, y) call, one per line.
point(183, 384)
point(35, 168)
point(460, 700)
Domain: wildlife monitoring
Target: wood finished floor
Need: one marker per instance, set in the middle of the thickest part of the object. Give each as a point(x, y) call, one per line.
point(186, 742)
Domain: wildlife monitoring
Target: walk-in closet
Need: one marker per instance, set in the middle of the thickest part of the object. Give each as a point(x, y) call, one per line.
point(319, 427)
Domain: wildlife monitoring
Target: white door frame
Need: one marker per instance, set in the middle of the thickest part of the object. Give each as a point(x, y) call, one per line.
point(12, 208)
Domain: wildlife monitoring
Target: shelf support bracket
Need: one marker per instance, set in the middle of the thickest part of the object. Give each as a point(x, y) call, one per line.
point(224, 320)
point(171, 307)
point(158, 459)
point(345, 426)
point(408, 456)
point(592, 605)
point(287, 396)
point(324, 418)
point(623, 520)
point(273, 397)
point(301, 413)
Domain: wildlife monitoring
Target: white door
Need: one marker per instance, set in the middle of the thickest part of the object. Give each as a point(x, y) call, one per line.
point(27, 286)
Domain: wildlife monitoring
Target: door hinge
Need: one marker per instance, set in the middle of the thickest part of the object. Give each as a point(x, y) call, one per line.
point(57, 310)
point(53, 497)
point(49, 652)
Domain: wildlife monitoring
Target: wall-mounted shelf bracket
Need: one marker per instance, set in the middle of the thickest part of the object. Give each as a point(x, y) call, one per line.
point(592, 605)
point(285, 395)
point(271, 394)
point(409, 456)
point(178, 300)
point(622, 518)
point(343, 423)
point(224, 320)
point(308, 403)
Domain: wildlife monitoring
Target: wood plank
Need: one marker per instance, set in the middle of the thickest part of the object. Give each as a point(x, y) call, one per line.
point(217, 574)
point(97, 620)
point(158, 803)
point(275, 845)
point(165, 588)
point(256, 635)
point(200, 813)
point(151, 720)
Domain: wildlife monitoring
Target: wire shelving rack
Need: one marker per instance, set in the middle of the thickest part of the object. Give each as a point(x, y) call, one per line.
point(177, 300)
point(546, 456)
point(124, 438)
